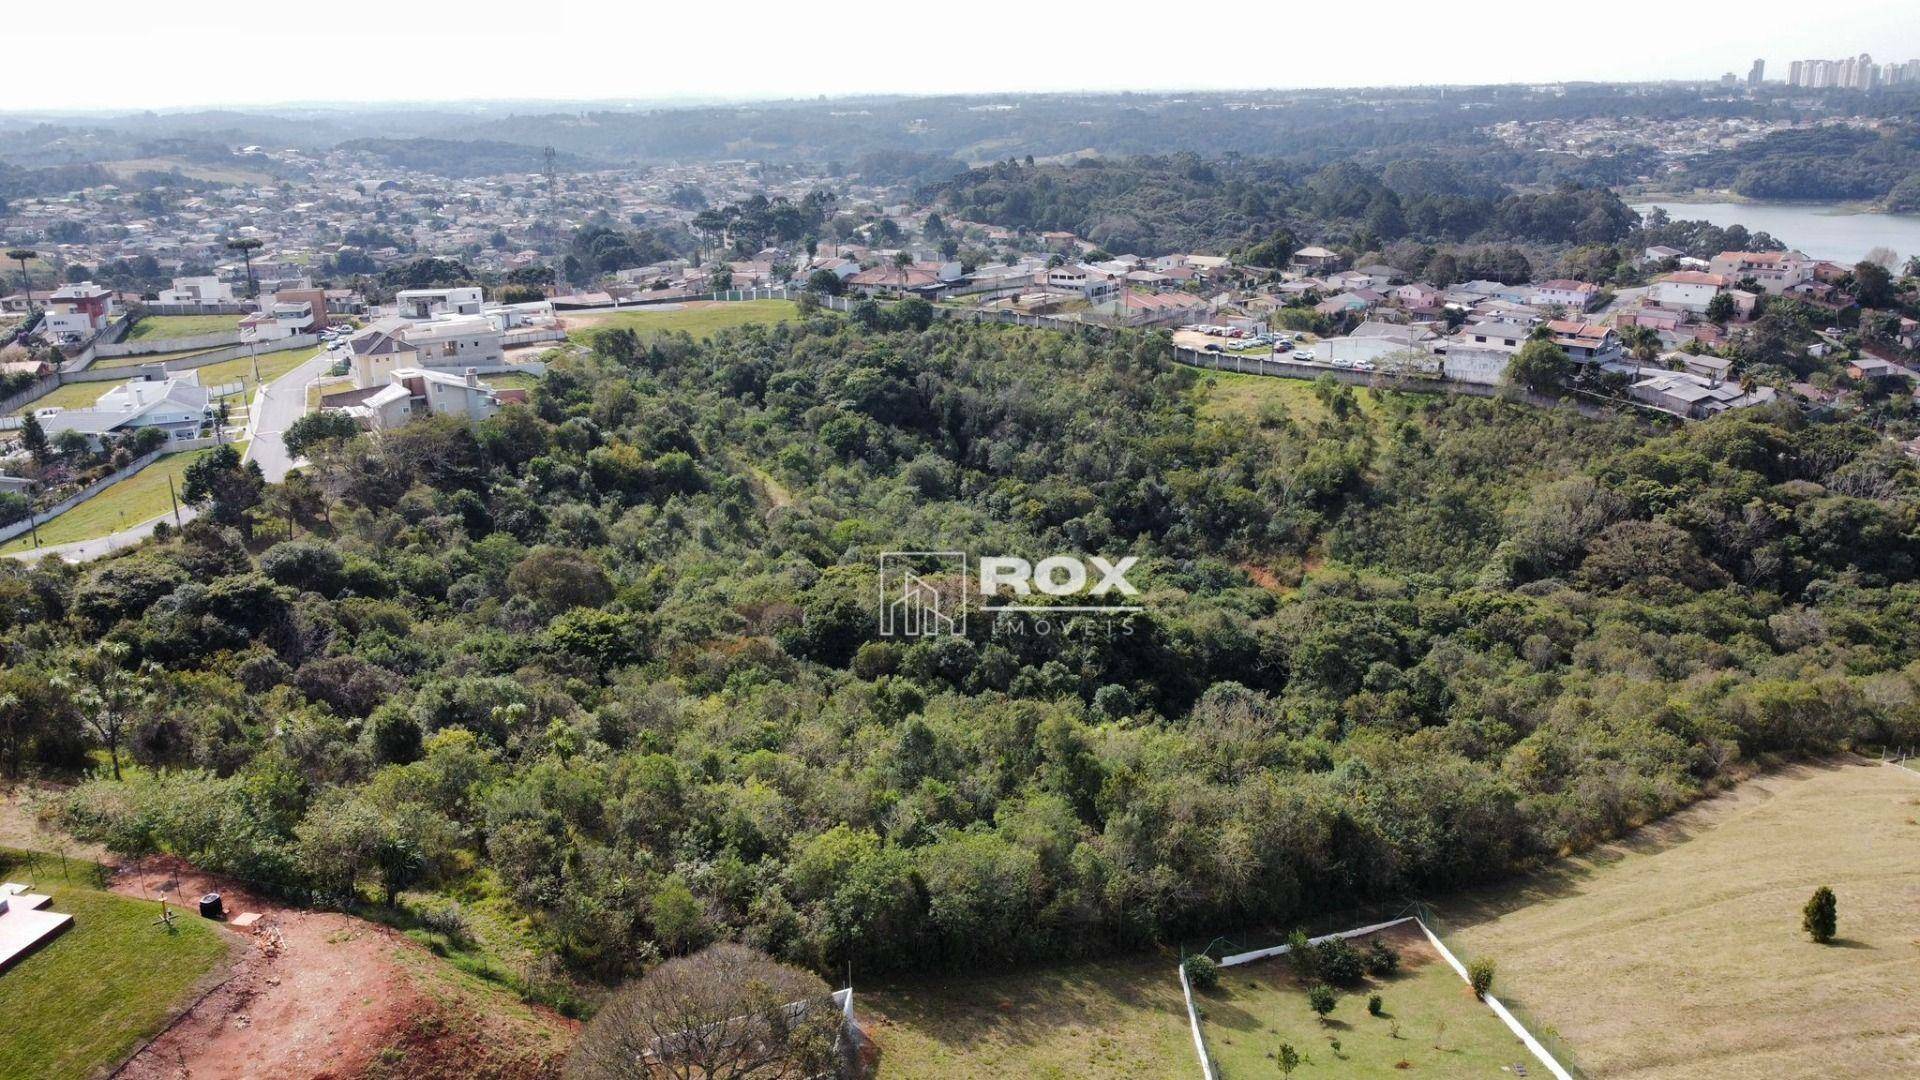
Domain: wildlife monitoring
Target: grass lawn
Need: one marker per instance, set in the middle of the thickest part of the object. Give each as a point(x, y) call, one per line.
point(1443, 1029)
point(512, 380)
point(1100, 1020)
point(1238, 396)
point(87, 998)
point(140, 497)
point(162, 327)
point(76, 395)
point(700, 319)
point(1677, 952)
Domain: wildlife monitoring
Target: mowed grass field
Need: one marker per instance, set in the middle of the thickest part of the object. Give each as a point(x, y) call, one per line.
point(1678, 951)
point(90, 996)
point(700, 318)
point(1442, 1029)
point(162, 327)
point(1100, 1020)
point(139, 498)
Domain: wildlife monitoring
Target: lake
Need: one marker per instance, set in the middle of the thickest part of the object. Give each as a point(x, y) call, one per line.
point(1822, 230)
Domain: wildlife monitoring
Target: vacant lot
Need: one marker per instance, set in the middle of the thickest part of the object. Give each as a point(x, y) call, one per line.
point(700, 318)
point(1430, 1022)
point(139, 498)
point(163, 327)
point(1100, 1020)
point(91, 995)
point(1678, 952)
point(1233, 395)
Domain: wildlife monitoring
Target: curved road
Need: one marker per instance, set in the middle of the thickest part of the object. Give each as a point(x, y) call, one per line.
point(275, 409)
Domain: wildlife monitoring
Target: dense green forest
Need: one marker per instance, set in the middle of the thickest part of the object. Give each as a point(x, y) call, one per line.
point(1153, 205)
point(1832, 163)
point(614, 658)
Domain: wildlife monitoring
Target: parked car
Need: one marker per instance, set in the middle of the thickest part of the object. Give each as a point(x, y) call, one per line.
point(1302, 354)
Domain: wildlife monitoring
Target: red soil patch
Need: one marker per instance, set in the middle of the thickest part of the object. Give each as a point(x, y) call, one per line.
point(320, 996)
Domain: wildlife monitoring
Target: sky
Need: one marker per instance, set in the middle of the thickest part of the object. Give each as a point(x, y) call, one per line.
point(124, 55)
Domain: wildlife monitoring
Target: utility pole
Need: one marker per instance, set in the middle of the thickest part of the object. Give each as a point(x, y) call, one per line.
point(175, 500)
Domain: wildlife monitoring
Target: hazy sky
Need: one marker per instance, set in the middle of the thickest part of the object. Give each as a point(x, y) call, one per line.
point(122, 54)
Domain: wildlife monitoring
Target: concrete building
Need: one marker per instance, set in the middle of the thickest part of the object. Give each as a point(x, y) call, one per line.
point(78, 311)
point(198, 292)
point(412, 392)
point(179, 405)
point(430, 303)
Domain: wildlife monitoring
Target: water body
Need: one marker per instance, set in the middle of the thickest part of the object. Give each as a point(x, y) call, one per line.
point(1822, 230)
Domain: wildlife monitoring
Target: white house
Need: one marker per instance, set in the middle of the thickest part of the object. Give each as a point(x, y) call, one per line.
point(1494, 334)
point(428, 303)
point(1572, 295)
point(179, 405)
point(1687, 290)
point(278, 322)
point(415, 392)
point(198, 292)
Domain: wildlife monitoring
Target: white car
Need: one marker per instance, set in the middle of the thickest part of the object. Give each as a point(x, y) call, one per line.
point(1302, 354)
point(1363, 365)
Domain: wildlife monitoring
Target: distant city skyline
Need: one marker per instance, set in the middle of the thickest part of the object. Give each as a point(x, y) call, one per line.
point(123, 56)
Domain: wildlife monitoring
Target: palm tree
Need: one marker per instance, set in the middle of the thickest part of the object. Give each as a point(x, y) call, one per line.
point(246, 246)
point(21, 255)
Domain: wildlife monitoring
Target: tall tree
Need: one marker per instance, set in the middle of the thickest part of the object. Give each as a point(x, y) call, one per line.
point(21, 255)
point(107, 694)
point(246, 246)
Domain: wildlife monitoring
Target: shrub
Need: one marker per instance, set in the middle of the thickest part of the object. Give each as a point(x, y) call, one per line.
point(1202, 972)
point(1320, 999)
point(1821, 917)
point(1339, 962)
point(1374, 1005)
point(1305, 958)
point(1480, 975)
point(1381, 958)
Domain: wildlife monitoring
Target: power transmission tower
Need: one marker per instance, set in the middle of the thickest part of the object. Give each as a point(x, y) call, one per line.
point(549, 158)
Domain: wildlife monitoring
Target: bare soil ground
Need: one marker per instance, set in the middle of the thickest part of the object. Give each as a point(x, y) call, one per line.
point(325, 996)
point(1677, 952)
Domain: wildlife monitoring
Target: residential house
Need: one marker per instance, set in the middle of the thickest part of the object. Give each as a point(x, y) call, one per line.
point(1684, 393)
point(394, 343)
point(1090, 282)
point(1775, 271)
point(1346, 302)
point(198, 292)
point(428, 303)
point(1131, 308)
point(415, 392)
point(1313, 261)
point(1585, 342)
point(1687, 290)
point(1418, 297)
point(278, 322)
point(1498, 335)
point(78, 311)
point(177, 405)
point(1660, 253)
point(1562, 292)
point(891, 280)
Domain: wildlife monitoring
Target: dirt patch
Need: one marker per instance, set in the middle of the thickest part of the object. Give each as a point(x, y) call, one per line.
point(324, 996)
point(21, 828)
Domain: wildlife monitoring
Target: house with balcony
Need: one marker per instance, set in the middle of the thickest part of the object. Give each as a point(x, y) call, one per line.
point(410, 393)
point(78, 311)
point(177, 405)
